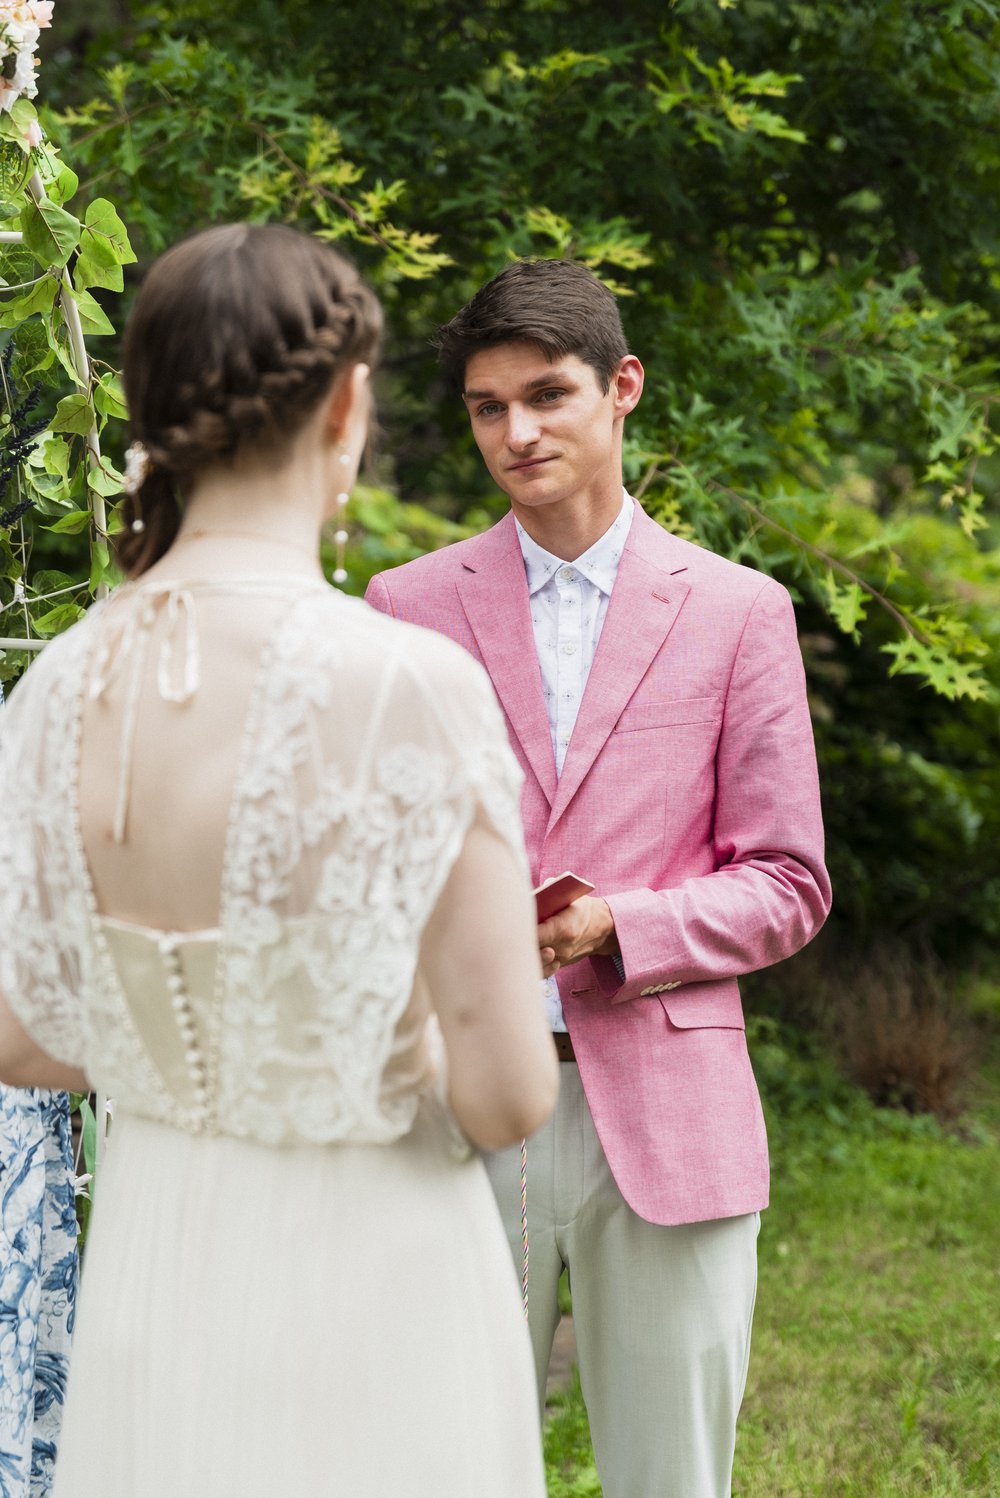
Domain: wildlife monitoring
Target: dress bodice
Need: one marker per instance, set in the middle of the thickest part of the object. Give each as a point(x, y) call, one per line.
point(361, 752)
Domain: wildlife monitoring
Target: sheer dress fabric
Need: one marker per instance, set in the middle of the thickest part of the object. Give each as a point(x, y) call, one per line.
point(297, 1280)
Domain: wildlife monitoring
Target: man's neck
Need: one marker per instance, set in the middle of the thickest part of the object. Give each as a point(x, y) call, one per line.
point(568, 528)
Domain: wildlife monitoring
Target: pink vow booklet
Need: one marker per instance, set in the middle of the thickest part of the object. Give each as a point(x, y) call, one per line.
point(558, 892)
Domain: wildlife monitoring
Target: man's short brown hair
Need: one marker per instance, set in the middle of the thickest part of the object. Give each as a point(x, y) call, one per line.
point(559, 306)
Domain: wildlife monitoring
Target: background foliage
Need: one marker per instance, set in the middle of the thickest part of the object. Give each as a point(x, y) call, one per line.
point(799, 203)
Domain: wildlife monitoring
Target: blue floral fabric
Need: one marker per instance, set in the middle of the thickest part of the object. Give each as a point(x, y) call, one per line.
point(39, 1269)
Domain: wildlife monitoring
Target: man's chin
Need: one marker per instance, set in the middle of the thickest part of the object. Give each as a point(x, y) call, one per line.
point(536, 493)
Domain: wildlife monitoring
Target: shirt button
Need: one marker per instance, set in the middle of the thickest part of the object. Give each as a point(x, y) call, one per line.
point(569, 650)
point(566, 574)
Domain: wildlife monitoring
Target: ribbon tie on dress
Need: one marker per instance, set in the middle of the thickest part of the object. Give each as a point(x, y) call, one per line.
point(178, 674)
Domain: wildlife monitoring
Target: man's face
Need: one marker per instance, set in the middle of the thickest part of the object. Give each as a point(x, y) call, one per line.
point(545, 429)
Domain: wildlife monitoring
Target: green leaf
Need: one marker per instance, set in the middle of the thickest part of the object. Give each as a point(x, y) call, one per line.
point(71, 524)
point(105, 480)
point(971, 518)
point(847, 603)
point(55, 331)
point(938, 668)
point(51, 491)
point(109, 397)
point(53, 474)
point(14, 123)
point(53, 455)
point(74, 413)
point(100, 565)
point(64, 185)
point(89, 1136)
point(950, 421)
point(50, 233)
point(49, 580)
point(104, 249)
point(58, 619)
point(93, 319)
point(33, 354)
point(38, 298)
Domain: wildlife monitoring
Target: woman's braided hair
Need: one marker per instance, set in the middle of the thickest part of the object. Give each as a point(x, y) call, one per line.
point(236, 335)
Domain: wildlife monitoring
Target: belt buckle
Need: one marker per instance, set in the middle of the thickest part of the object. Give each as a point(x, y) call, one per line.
point(564, 1045)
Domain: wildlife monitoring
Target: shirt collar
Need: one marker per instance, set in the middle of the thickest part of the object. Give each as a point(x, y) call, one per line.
point(598, 564)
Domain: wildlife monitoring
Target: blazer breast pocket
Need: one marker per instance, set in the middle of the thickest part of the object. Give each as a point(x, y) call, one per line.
point(669, 713)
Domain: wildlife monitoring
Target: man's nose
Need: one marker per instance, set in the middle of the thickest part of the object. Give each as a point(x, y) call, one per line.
point(522, 427)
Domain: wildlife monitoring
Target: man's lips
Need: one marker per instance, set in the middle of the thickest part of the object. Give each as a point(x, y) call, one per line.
point(527, 463)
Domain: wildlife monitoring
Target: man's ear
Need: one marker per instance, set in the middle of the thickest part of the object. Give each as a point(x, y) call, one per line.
point(626, 385)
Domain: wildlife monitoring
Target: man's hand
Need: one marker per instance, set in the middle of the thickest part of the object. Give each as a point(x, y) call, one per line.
point(582, 929)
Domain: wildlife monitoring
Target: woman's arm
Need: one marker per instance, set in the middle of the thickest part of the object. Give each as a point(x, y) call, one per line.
point(480, 959)
point(25, 1064)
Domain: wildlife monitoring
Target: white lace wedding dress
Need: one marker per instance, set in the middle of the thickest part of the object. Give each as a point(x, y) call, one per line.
point(296, 1282)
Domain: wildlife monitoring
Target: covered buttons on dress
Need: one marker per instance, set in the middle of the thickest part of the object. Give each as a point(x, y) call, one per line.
point(180, 1003)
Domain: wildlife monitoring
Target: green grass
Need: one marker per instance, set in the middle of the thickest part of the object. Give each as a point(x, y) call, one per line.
point(876, 1353)
point(569, 1459)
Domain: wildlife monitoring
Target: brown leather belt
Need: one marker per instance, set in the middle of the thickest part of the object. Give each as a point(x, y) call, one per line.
point(564, 1046)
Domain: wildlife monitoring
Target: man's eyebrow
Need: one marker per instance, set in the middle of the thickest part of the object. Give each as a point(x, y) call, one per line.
point(554, 377)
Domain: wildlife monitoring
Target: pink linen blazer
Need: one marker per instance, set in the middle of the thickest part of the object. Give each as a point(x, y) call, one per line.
point(689, 797)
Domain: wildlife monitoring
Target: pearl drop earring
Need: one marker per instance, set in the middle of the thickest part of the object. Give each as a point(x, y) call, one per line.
point(137, 467)
point(340, 534)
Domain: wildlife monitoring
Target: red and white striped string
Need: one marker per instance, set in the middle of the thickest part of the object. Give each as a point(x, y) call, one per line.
point(524, 1226)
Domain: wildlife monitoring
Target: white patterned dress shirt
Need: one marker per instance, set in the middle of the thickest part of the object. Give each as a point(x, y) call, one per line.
point(569, 601)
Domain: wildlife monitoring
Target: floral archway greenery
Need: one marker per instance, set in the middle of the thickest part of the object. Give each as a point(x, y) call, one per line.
point(57, 398)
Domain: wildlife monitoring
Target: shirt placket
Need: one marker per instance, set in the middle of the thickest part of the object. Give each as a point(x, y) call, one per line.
point(569, 658)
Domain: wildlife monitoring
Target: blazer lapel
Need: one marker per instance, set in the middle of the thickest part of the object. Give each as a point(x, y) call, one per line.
point(494, 595)
point(645, 602)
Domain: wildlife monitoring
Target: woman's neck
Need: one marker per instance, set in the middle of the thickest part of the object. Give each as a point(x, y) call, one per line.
point(259, 518)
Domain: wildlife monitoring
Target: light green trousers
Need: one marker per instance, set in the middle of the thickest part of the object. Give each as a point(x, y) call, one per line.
point(662, 1315)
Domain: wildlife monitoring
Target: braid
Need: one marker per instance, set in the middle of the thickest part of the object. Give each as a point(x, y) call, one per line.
point(236, 336)
point(155, 502)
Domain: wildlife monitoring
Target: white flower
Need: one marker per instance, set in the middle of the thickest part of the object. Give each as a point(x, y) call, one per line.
point(27, 12)
point(19, 32)
point(21, 36)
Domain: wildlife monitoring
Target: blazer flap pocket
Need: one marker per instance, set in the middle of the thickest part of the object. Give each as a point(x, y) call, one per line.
point(669, 713)
point(692, 1008)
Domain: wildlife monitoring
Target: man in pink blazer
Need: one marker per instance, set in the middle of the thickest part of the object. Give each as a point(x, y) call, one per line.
point(655, 698)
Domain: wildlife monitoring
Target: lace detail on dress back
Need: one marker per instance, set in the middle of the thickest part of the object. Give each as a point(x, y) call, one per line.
point(367, 750)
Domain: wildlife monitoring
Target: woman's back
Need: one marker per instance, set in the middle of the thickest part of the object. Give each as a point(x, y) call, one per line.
point(262, 867)
point(271, 784)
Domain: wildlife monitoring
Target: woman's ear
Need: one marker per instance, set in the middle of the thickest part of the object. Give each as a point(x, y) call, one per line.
point(347, 409)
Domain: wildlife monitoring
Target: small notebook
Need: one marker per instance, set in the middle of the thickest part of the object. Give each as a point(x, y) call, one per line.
point(558, 892)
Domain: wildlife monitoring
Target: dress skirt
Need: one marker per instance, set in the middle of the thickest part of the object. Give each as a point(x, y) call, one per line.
point(312, 1322)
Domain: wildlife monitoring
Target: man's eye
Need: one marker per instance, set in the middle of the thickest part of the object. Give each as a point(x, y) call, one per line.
point(490, 409)
point(551, 395)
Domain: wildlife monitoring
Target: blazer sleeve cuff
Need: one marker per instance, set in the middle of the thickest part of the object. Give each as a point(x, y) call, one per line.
point(622, 977)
